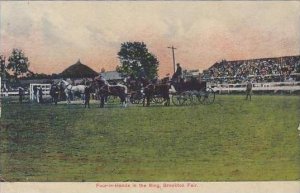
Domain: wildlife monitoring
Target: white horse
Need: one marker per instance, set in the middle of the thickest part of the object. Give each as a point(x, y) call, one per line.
point(71, 90)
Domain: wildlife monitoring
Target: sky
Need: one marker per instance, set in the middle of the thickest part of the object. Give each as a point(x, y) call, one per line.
point(54, 35)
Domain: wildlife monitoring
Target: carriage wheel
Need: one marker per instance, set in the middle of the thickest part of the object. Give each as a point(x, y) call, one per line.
point(196, 98)
point(158, 100)
point(207, 97)
point(177, 99)
point(135, 98)
point(187, 98)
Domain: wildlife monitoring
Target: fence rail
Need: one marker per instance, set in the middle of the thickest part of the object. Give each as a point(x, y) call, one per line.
point(271, 86)
point(16, 93)
point(221, 88)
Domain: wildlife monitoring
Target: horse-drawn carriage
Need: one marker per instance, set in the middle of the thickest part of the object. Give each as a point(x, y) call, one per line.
point(182, 92)
point(146, 91)
point(192, 92)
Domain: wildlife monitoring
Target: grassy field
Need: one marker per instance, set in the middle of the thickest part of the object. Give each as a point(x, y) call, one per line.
point(231, 140)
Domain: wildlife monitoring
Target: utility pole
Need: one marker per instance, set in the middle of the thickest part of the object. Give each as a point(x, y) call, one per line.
point(173, 56)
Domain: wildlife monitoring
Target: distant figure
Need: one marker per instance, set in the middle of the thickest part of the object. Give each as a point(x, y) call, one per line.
point(248, 90)
point(101, 79)
point(21, 94)
point(40, 92)
point(177, 75)
point(35, 89)
point(87, 94)
point(54, 92)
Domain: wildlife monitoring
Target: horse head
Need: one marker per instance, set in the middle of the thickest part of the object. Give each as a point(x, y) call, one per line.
point(63, 83)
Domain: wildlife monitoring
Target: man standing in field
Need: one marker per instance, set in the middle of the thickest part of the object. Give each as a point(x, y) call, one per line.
point(35, 89)
point(248, 90)
point(87, 92)
point(40, 95)
point(21, 93)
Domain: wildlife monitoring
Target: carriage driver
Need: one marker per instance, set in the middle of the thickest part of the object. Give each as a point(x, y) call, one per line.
point(177, 75)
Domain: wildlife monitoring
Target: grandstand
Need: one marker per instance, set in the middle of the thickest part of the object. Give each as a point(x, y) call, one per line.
point(279, 69)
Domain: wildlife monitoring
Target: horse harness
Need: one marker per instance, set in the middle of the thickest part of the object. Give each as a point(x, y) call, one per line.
point(68, 86)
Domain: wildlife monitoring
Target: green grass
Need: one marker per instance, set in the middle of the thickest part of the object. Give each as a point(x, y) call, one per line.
point(231, 140)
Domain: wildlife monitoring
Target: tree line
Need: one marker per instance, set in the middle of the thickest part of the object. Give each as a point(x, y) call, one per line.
point(134, 57)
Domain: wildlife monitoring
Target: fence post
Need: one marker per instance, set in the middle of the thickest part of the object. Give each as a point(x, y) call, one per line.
point(0, 97)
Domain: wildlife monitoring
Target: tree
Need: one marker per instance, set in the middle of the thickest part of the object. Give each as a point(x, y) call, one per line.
point(2, 66)
point(18, 63)
point(5, 76)
point(134, 56)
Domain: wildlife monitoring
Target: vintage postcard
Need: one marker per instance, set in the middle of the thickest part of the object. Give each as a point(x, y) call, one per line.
point(145, 96)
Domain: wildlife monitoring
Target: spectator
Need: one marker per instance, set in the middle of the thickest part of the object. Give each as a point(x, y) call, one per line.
point(40, 91)
point(271, 69)
point(87, 95)
point(35, 98)
point(21, 94)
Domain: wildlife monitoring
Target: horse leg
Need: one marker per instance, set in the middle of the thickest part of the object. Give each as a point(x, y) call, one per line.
point(144, 97)
point(148, 100)
point(123, 100)
point(124, 103)
point(102, 101)
point(68, 98)
point(82, 96)
point(167, 100)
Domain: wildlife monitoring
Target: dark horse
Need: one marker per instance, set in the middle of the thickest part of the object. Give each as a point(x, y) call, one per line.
point(104, 90)
point(152, 89)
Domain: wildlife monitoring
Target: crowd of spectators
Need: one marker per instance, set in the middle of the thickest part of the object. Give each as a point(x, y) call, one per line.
point(257, 70)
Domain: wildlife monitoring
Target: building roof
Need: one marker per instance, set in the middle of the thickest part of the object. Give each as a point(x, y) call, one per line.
point(111, 75)
point(78, 70)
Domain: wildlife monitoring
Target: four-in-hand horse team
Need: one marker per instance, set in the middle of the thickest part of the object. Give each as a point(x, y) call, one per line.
point(139, 89)
point(103, 89)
